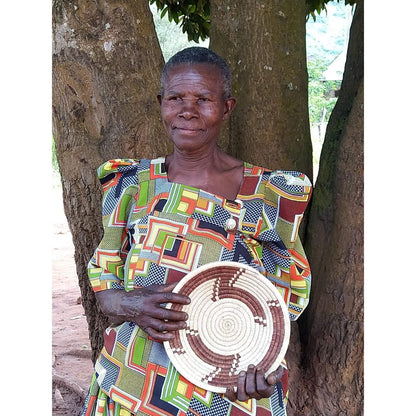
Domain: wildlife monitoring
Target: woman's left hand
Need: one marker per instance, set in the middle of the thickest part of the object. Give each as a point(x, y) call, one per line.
point(252, 384)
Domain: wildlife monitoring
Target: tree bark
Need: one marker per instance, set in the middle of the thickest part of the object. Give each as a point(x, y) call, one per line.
point(105, 83)
point(333, 330)
point(264, 43)
point(265, 46)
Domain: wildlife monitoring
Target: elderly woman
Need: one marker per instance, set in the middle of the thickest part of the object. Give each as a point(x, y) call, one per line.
point(220, 208)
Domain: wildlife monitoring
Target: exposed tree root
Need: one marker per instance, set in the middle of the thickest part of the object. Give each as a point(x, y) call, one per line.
point(59, 381)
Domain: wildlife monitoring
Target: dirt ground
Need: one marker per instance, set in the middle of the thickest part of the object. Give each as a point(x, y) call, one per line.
point(71, 364)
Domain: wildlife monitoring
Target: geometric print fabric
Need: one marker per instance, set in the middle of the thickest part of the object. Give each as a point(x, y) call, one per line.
point(157, 232)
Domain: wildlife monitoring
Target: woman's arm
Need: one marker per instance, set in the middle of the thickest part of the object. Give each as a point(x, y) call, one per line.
point(144, 307)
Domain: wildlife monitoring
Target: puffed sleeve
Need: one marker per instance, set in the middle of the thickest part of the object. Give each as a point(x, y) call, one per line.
point(119, 180)
point(286, 196)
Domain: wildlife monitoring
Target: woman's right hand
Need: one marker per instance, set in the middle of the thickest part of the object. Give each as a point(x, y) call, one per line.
point(145, 308)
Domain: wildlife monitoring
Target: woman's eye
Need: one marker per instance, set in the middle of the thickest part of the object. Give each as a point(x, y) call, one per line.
point(203, 99)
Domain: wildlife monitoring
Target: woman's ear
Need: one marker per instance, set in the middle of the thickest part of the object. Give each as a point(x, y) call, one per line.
point(229, 107)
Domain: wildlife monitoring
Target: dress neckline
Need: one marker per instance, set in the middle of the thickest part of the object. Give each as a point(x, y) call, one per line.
point(164, 173)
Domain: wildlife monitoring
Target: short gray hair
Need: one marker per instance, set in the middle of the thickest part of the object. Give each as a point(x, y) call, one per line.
point(198, 55)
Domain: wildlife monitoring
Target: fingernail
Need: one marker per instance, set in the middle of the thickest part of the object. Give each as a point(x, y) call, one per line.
point(272, 379)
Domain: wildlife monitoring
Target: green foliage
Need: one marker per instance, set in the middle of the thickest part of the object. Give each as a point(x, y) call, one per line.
point(193, 16)
point(321, 92)
point(170, 35)
point(318, 6)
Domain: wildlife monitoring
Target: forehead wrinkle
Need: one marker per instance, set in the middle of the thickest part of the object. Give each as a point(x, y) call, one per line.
point(193, 80)
point(197, 93)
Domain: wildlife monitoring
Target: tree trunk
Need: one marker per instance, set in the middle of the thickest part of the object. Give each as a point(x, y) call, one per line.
point(105, 83)
point(265, 46)
point(333, 360)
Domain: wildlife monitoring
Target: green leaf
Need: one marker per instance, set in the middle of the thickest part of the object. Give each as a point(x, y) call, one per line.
point(164, 11)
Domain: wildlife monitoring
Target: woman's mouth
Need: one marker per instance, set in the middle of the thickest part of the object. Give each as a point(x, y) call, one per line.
point(187, 130)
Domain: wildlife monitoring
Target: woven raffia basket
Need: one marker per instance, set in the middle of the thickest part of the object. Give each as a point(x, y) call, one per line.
point(237, 317)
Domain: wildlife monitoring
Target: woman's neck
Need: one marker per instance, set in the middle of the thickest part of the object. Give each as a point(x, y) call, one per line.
point(184, 164)
point(216, 172)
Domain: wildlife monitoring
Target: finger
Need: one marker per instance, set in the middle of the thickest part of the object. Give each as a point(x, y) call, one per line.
point(241, 387)
point(170, 297)
point(164, 326)
point(159, 336)
point(156, 294)
point(166, 293)
point(230, 394)
point(163, 288)
point(275, 376)
point(168, 314)
point(251, 382)
point(264, 389)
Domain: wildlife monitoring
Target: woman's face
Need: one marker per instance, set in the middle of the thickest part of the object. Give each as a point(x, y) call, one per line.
point(193, 106)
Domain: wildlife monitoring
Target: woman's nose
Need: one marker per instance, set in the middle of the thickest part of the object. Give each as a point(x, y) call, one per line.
point(188, 109)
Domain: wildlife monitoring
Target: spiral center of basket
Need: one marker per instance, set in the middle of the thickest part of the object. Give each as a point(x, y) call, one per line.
point(223, 326)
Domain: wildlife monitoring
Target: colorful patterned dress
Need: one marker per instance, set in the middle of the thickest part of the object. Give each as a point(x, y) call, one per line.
point(155, 232)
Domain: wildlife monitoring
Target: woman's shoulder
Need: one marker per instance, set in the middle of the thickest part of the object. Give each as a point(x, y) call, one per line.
point(288, 178)
point(116, 175)
point(117, 166)
point(263, 181)
point(290, 183)
point(280, 178)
